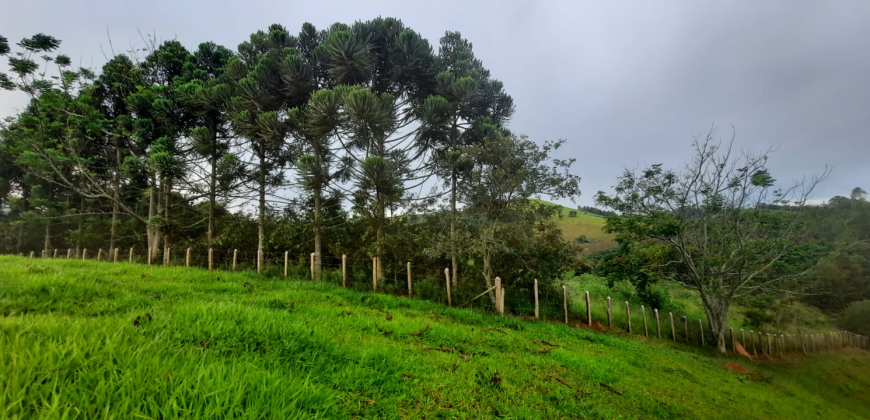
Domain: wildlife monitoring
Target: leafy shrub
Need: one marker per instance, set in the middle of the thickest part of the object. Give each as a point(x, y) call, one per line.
point(856, 317)
point(572, 213)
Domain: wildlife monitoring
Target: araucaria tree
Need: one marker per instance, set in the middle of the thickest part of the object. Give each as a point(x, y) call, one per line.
point(731, 228)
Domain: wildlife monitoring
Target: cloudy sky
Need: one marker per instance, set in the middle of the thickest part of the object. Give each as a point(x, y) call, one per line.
point(626, 83)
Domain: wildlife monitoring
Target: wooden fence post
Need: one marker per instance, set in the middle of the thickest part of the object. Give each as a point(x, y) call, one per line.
point(645, 329)
point(286, 261)
point(187, 257)
point(628, 316)
point(565, 301)
point(259, 260)
point(68, 252)
point(450, 300)
point(99, 254)
point(673, 330)
point(752, 337)
point(131, 255)
point(769, 344)
point(686, 327)
point(84, 254)
point(701, 331)
point(733, 347)
point(312, 266)
point(116, 254)
point(167, 260)
point(55, 253)
point(588, 309)
point(500, 294)
point(537, 308)
point(658, 324)
point(375, 273)
point(609, 314)
point(149, 255)
point(343, 270)
point(497, 292)
point(210, 258)
point(743, 338)
point(410, 289)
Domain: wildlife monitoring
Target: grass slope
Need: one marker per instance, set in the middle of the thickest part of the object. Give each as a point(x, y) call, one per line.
point(209, 346)
point(584, 224)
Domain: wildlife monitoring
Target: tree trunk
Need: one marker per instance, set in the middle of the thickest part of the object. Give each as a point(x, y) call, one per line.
point(167, 196)
point(81, 226)
point(153, 237)
point(487, 275)
point(116, 186)
point(47, 245)
point(453, 260)
point(717, 315)
point(261, 228)
point(380, 218)
point(212, 197)
point(317, 240)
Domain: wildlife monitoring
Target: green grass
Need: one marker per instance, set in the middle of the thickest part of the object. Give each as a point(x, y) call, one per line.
point(207, 346)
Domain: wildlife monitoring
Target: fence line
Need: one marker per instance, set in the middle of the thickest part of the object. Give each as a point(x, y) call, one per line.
point(765, 343)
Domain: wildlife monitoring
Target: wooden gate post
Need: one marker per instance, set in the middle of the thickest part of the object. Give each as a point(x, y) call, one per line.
point(259, 260)
point(673, 329)
point(628, 316)
point(235, 256)
point(450, 300)
point(99, 254)
point(500, 294)
point(187, 257)
point(149, 255)
point(116, 254)
point(645, 329)
point(343, 270)
point(210, 258)
point(286, 260)
point(410, 289)
point(537, 309)
point(565, 301)
point(312, 266)
point(131, 255)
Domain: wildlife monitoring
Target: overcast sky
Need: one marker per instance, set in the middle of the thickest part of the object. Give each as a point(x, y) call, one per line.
point(628, 84)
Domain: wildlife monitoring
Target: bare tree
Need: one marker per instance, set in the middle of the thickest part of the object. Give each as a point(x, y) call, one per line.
point(731, 228)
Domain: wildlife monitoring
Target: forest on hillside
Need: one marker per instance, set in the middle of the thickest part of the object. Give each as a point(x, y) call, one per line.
point(364, 140)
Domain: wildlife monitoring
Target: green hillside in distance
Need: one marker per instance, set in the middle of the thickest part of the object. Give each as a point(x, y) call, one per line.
point(584, 224)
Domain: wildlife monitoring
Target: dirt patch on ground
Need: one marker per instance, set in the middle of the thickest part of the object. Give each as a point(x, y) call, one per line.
point(738, 368)
point(642, 338)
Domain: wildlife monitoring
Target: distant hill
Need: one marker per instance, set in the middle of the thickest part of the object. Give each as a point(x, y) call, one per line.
point(583, 224)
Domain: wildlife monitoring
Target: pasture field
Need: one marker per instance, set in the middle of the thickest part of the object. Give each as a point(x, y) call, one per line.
point(82, 339)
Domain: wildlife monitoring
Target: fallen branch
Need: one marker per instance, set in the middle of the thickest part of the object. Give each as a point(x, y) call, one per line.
point(473, 299)
point(421, 331)
point(609, 388)
point(445, 350)
point(578, 390)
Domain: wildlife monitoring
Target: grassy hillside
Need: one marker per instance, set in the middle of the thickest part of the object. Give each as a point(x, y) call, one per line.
point(82, 339)
point(584, 224)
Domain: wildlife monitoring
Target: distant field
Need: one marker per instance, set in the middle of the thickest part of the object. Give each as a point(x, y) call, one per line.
point(587, 224)
point(82, 339)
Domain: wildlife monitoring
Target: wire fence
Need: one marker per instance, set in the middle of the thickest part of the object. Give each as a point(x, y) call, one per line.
point(563, 304)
